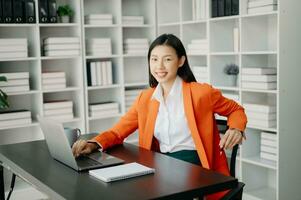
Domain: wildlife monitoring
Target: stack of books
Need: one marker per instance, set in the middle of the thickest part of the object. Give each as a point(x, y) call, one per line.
point(198, 9)
point(99, 19)
point(133, 20)
point(62, 46)
point(268, 146)
point(13, 48)
point(99, 73)
point(53, 80)
point(136, 46)
point(16, 82)
point(99, 47)
point(261, 115)
point(198, 47)
point(15, 118)
point(261, 6)
point(58, 110)
point(259, 78)
point(103, 109)
point(220, 8)
point(201, 73)
point(130, 97)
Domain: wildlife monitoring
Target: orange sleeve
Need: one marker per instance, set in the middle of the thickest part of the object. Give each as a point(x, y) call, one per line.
point(229, 108)
point(123, 128)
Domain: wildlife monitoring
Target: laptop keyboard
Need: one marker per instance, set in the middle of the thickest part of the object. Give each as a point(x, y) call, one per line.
point(84, 161)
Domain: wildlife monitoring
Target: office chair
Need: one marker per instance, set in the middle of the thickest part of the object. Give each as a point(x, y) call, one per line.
point(235, 193)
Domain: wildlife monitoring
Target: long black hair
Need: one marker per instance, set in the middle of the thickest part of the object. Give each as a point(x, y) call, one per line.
point(171, 40)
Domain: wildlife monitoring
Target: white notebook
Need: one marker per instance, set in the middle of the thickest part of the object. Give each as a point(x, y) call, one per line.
point(120, 172)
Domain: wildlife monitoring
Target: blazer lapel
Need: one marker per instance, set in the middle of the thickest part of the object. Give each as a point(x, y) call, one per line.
point(188, 107)
point(150, 124)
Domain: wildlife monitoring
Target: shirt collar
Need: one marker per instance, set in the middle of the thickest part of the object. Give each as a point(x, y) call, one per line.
point(175, 90)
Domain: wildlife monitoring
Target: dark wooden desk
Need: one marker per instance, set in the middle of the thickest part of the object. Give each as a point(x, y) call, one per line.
point(173, 179)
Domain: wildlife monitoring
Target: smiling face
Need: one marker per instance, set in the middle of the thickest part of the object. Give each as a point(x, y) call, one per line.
point(164, 64)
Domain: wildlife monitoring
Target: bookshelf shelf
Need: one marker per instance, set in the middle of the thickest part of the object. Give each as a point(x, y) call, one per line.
point(266, 193)
point(101, 57)
point(137, 84)
point(138, 26)
point(260, 91)
point(259, 52)
point(17, 25)
point(195, 21)
point(224, 18)
point(260, 14)
point(224, 53)
point(59, 25)
point(104, 87)
point(169, 24)
point(262, 128)
point(256, 160)
point(102, 26)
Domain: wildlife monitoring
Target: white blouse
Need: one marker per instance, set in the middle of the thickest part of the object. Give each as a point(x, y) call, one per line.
point(171, 127)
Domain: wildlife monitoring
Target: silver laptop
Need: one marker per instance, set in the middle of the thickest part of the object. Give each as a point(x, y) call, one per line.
point(60, 150)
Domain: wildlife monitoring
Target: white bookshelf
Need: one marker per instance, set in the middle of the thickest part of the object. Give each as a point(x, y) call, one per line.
point(129, 70)
point(266, 39)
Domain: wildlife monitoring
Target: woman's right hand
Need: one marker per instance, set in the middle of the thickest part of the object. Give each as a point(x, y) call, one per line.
point(82, 147)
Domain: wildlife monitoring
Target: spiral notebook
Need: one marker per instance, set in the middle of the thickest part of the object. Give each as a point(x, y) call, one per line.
point(120, 172)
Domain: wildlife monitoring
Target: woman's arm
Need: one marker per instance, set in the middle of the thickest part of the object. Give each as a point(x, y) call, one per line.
point(122, 129)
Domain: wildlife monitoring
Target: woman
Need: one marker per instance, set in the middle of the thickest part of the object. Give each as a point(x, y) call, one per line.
point(175, 116)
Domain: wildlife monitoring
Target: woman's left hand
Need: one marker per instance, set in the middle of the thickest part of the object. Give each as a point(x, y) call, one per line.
point(231, 138)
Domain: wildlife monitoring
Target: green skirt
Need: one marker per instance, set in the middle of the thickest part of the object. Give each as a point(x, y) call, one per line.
point(186, 155)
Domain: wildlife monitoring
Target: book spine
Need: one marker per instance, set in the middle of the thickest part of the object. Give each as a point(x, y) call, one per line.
point(56, 105)
point(93, 73)
point(1, 13)
point(59, 111)
point(109, 72)
point(10, 89)
point(89, 78)
point(14, 82)
point(7, 11)
point(47, 81)
point(214, 8)
point(52, 11)
point(228, 4)
point(53, 86)
point(29, 11)
point(17, 11)
point(99, 72)
point(221, 8)
point(15, 122)
point(235, 7)
point(104, 73)
point(43, 11)
point(103, 106)
point(46, 75)
point(15, 115)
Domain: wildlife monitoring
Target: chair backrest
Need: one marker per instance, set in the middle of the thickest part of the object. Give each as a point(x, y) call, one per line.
point(222, 127)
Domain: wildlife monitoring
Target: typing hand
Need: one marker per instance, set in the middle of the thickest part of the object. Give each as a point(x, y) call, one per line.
point(230, 139)
point(82, 147)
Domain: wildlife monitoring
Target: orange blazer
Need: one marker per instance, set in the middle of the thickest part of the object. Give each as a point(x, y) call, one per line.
point(201, 101)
